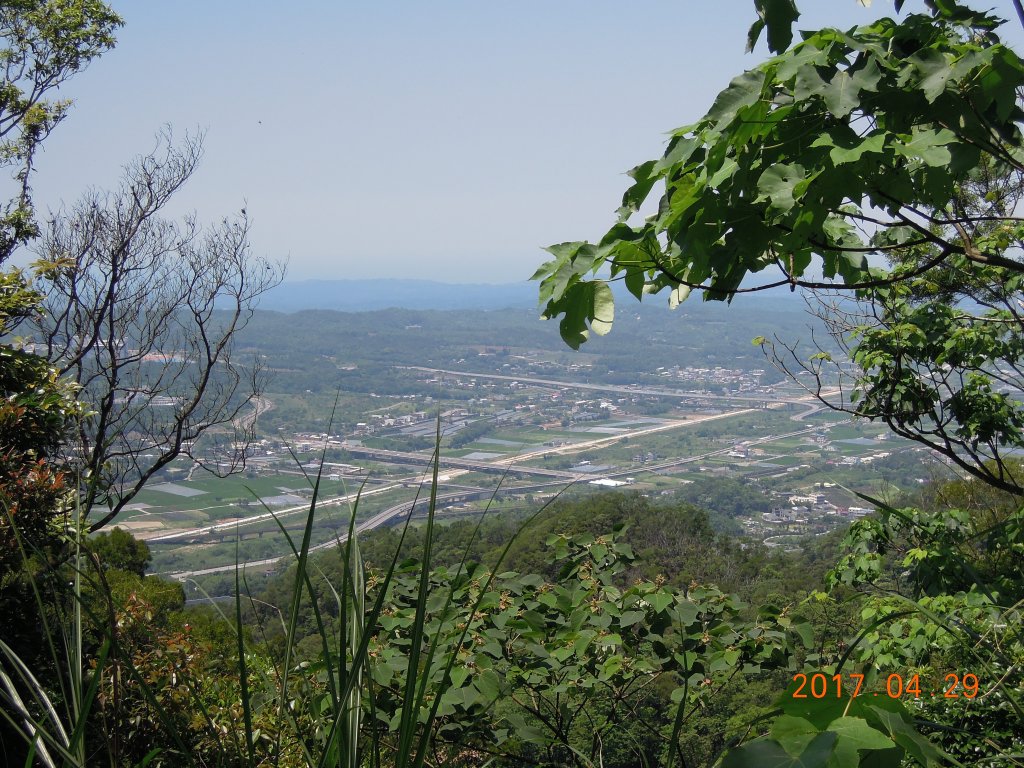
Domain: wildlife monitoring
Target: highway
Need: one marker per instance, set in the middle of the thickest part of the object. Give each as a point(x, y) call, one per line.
point(617, 388)
point(513, 463)
point(690, 459)
point(409, 457)
point(374, 522)
point(381, 518)
point(206, 529)
point(509, 464)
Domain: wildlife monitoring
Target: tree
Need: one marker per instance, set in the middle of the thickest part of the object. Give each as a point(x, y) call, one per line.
point(119, 550)
point(45, 42)
point(848, 145)
point(142, 314)
point(34, 410)
point(940, 591)
point(938, 356)
point(575, 670)
point(884, 162)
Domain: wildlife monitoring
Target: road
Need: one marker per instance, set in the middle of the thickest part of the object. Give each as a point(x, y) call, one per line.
point(260, 405)
point(410, 457)
point(502, 464)
point(193, 532)
point(394, 511)
point(617, 388)
point(370, 523)
point(602, 442)
point(690, 459)
point(497, 465)
point(374, 522)
point(515, 461)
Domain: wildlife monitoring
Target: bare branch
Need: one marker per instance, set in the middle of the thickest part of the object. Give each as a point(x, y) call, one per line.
point(145, 320)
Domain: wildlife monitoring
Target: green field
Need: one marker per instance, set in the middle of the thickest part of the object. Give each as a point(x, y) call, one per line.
point(238, 497)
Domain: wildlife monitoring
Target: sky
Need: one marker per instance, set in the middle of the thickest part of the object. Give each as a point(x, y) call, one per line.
point(449, 140)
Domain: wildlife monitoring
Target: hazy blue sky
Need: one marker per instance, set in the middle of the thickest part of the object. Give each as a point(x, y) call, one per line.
point(448, 140)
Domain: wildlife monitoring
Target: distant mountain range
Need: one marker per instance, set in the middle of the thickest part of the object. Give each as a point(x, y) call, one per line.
point(367, 295)
point(364, 295)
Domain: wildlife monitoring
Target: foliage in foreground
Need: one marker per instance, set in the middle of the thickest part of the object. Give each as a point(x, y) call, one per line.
point(463, 665)
point(899, 140)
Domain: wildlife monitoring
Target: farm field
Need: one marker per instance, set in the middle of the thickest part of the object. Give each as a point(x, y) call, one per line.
point(229, 518)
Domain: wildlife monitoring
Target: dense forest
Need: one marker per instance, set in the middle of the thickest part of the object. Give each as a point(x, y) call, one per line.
point(555, 637)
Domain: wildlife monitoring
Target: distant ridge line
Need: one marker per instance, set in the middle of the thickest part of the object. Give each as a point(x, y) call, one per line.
point(371, 294)
point(364, 295)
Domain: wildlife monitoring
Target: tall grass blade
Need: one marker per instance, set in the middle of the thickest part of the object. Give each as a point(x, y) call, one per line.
point(413, 699)
point(23, 721)
point(359, 657)
point(243, 669)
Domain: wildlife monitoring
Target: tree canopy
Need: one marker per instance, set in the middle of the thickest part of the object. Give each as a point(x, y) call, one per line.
point(883, 163)
point(883, 166)
point(45, 42)
point(141, 313)
point(849, 145)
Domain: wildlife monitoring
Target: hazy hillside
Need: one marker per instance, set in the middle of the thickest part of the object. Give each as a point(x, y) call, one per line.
point(365, 295)
point(362, 295)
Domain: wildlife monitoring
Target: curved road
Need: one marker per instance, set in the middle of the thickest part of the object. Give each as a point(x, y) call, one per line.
point(370, 523)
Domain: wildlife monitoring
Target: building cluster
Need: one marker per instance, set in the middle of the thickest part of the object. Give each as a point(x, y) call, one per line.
point(812, 511)
point(733, 379)
point(379, 422)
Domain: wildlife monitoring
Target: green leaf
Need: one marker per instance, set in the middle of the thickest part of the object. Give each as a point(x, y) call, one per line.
point(805, 58)
point(904, 735)
point(842, 95)
point(602, 309)
point(808, 82)
point(611, 666)
point(629, 618)
point(686, 613)
point(804, 630)
point(793, 733)
point(882, 758)
point(659, 601)
point(678, 295)
point(754, 33)
point(767, 753)
point(935, 69)
point(743, 91)
point(853, 151)
point(645, 176)
point(582, 304)
point(929, 145)
point(777, 185)
point(856, 735)
point(458, 676)
point(777, 16)
point(820, 712)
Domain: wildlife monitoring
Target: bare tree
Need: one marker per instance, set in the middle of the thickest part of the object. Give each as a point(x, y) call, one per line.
point(142, 313)
point(947, 374)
